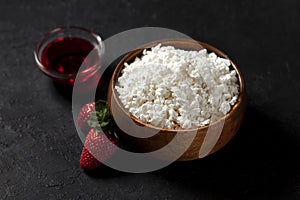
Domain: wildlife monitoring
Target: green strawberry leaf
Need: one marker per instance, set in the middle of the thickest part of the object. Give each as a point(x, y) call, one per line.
point(100, 119)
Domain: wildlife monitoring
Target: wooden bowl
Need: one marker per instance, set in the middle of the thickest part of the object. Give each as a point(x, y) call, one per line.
point(137, 132)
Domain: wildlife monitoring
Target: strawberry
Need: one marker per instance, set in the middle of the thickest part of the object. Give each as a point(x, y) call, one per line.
point(84, 116)
point(96, 117)
point(96, 147)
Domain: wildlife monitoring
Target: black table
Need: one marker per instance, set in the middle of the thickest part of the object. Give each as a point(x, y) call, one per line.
point(39, 146)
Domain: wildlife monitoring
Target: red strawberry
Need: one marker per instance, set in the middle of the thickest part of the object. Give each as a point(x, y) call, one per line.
point(85, 115)
point(97, 145)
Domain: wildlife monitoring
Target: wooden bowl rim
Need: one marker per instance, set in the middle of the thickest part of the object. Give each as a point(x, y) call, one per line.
point(165, 42)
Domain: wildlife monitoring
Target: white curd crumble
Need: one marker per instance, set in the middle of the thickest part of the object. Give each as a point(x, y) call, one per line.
point(173, 88)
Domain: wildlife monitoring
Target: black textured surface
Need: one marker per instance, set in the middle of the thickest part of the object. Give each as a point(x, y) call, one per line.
point(39, 148)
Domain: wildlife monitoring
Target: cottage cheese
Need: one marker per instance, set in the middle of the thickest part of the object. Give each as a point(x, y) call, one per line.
point(173, 88)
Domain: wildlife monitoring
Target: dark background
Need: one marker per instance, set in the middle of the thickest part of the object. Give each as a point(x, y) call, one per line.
point(39, 146)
